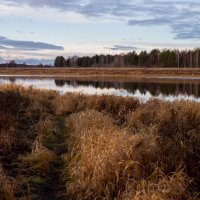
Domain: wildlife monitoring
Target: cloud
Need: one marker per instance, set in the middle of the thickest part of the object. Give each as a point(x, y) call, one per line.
point(186, 31)
point(6, 43)
point(59, 4)
point(149, 22)
point(3, 48)
point(182, 16)
point(92, 8)
point(122, 48)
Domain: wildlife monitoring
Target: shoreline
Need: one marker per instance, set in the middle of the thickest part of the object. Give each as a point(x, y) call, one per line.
point(170, 75)
point(99, 76)
point(187, 73)
point(134, 75)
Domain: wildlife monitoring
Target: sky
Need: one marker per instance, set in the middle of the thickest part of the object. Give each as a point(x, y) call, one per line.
point(36, 31)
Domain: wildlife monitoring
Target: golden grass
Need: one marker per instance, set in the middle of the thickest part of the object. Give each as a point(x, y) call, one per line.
point(164, 187)
point(96, 150)
point(7, 132)
point(7, 140)
point(40, 159)
point(104, 72)
point(118, 148)
point(178, 130)
point(107, 162)
point(46, 126)
point(117, 107)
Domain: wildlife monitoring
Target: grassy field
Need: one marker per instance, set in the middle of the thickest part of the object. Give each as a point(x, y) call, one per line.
point(97, 147)
point(104, 72)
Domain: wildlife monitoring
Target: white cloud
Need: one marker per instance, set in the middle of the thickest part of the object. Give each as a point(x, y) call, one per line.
point(180, 16)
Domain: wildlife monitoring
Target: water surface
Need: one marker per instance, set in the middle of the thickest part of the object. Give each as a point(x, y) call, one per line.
point(143, 90)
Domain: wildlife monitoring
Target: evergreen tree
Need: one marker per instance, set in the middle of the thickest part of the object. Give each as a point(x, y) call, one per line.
point(59, 61)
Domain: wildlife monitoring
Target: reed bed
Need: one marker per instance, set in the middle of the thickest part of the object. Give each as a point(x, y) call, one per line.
point(75, 146)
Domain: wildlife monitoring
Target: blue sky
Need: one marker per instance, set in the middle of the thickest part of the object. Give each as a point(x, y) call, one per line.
point(37, 31)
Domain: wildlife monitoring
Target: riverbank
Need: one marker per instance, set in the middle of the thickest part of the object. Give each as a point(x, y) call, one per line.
point(75, 146)
point(105, 72)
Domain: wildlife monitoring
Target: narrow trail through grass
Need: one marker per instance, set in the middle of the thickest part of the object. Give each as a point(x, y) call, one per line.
point(58, 146)
point(53, 187)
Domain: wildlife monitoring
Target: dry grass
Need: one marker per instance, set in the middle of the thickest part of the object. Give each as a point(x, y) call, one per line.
point(118, 148)
point(40, 159)
point(161, 187)
point(96, 151)
point(107, 162)
point(25, 122)
point(104, 72)
point(46, 127)
point(117, 107)
point(7, 186)
point(7, 132)
point(7, 140)
point(178, 126)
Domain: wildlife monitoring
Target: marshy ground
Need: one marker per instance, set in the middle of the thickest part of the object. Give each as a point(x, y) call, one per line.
point(76, 146)
point(104, 73)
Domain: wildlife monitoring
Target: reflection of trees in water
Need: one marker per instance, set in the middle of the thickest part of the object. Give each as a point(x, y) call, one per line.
point(154, 88)
point(59, 83)
point(164, 88)
point(12, 80)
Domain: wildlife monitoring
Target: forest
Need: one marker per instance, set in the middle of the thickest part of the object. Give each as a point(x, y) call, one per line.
point(156, 58)
point(166, 58)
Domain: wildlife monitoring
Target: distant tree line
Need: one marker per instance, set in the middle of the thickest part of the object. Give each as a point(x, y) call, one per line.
point(13, 64)
point(153, 59)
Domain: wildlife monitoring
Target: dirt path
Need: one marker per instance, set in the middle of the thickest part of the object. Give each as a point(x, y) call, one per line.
point(53, 188)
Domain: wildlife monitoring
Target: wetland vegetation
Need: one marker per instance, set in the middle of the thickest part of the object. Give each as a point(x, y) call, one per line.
point(76, 146)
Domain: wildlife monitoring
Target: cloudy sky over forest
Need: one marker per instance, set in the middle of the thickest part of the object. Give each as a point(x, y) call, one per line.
point(38, 30)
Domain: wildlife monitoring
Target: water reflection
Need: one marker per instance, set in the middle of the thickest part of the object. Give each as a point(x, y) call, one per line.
point(60, 83)
point(12, 79)
point(155, 89)
point(142, 90)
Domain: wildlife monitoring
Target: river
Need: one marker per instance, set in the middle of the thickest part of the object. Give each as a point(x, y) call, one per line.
point(142, 89)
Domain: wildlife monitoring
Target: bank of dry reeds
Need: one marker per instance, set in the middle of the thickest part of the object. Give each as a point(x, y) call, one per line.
point(110, 162)
point(117, 147)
